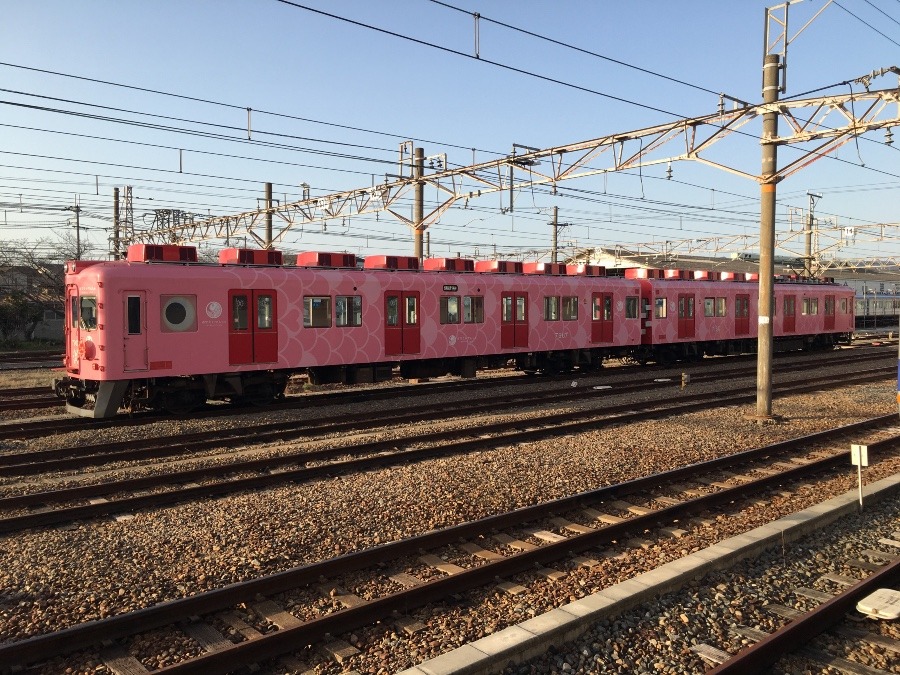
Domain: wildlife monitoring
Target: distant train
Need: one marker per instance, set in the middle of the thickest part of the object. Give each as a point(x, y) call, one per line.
point(160, 330)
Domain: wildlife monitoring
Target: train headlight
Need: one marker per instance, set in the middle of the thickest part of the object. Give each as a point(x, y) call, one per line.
point(179, 313)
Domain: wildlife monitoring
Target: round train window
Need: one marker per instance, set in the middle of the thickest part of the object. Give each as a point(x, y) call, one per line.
point(179, 313)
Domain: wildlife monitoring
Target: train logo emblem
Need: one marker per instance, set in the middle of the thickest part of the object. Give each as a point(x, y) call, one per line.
point(214, 310)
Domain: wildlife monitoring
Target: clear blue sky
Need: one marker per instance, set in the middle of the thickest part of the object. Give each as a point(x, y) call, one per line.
point(345, 96)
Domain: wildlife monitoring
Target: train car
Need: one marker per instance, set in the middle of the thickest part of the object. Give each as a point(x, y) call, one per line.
point(159, 330)
point(688, 315)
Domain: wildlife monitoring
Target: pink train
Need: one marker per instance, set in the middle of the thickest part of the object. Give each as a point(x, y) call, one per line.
point(160, 330)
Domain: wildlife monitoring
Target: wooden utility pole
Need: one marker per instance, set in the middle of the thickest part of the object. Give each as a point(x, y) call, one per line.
point(768, 180)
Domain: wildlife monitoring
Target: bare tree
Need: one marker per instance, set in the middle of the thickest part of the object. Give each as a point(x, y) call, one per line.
point(32, 281)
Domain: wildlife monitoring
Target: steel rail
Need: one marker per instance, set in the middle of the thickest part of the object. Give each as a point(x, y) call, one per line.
point(551, 426)
point(32, 430)
point(764, 654)
point(82, 456)
point(84, 635)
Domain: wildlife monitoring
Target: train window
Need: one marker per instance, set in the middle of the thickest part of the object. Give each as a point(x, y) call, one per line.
point(179, 312)
point(133, 311)
point(73, 311)
point(810, 306)
point(317, 311)
point(520, 308)
point(607, 308)
point(829, 306)
point(348, 310)
point(551, 308)
point(709, 307)
point(843, 305)
point(597, 308)
point(412, 317)
point(570, 308)
point(239, 313)
point(393, 310)
point(264, 311)
point(450, 309)
point(789, 305)
point(686, 307)
point(721, 307)
point(631, 307)
point(473, 309)
point(507, 308)
point(87, 312)
point(661, 311)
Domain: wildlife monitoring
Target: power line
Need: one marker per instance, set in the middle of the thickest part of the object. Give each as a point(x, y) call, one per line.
point(559, 43)
point(238, 107)
point(878, 9)
point(863, 21)
point(448, 50)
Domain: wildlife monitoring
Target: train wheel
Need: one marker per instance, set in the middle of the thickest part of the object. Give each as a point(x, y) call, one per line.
point(76, 399)
point(260, 395)
point(182, 402)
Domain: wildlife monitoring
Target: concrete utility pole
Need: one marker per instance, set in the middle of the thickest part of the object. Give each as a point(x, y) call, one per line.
point(810, 226)
point(419, 203)
point(555, 241)
point(768, 180)
point(268, 239)
point(77, 210)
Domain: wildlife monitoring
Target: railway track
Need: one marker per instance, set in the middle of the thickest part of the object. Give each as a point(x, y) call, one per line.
point(82, 456)
point(27, 360)
point(304, 465)
point(492, 553)
point(23, 429)
point(804, 627)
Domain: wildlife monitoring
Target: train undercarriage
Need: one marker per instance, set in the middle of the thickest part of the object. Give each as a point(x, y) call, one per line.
point(181, 395)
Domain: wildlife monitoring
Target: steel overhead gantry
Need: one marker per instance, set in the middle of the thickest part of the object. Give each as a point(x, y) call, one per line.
point(831, 238)
point(826, 122)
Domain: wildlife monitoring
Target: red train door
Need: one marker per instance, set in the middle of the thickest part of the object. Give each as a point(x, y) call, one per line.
point(685, 315)
point(742, 314)
point(402, 332)
point(513, 320)
point(265, 327)
point(829, 312)
point(790, 314)
point(252, 327)
point(135, 331)
point(602, 317)
point(71, 331)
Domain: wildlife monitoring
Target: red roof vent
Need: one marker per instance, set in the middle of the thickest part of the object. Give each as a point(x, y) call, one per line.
point(499, 266)
point(320, 259)
point(250, 256)
point(751, 276)
point(706, 275)
point(586, 270)
point(391, 262)
point(643, 273)
point(449, 264)
point(161, 253)
point(543, 268)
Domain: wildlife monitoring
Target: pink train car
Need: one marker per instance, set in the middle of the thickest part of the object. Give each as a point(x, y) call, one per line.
point(692, 314)
point(160, 330)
